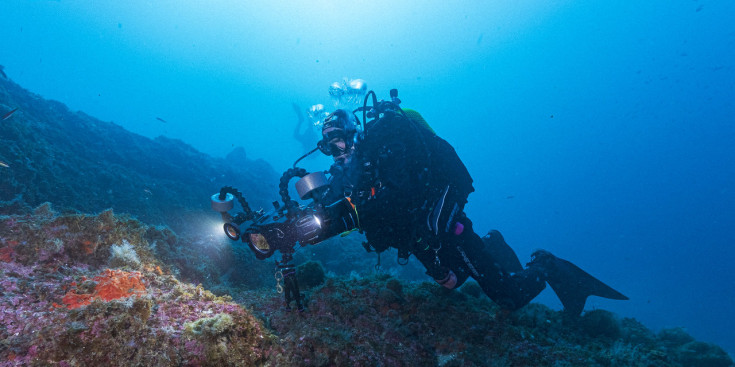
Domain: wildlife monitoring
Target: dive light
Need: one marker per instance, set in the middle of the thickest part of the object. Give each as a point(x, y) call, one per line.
point(223, 204)
point(232, 231)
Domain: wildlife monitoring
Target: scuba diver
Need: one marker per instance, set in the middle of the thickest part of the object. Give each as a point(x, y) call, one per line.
point(306, 138)
point(408, 188)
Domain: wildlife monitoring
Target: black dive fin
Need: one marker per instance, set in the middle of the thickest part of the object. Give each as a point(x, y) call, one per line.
point(571, 284)
point(501, 253)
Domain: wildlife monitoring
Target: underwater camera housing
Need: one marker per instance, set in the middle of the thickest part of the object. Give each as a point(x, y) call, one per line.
point(290, 224)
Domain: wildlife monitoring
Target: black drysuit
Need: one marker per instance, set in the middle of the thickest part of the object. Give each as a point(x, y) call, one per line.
point(409, 188)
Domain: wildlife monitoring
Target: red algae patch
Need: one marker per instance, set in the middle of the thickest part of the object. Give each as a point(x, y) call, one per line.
point(111, 285)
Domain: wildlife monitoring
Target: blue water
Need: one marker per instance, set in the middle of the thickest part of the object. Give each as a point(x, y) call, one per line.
point(601, 131)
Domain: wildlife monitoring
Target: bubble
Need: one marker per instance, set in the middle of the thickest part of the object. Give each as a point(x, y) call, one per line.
point(317, 114)
point(337, 90)
point(357, 87)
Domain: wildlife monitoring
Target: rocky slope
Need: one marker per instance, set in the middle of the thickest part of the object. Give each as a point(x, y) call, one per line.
point(83, 164)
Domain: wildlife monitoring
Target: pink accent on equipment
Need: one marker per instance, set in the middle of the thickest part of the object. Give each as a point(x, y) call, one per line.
point(458, 229)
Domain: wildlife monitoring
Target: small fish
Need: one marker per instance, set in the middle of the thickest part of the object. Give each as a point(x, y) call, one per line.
point(510, 196)
point(4, 165)
point(7, 115)
point(147, 191)
point(160, 119)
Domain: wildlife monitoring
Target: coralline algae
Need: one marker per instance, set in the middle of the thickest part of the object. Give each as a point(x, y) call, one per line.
point(65, 303)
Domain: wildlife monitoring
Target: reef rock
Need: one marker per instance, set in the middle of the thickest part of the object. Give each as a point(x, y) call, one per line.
point(80, 163)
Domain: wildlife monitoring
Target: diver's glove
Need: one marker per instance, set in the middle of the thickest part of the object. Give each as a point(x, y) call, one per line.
point(449, 282)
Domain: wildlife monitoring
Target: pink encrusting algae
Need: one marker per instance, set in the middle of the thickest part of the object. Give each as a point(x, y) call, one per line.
point(55, 309)
point(63, 303)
